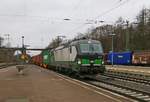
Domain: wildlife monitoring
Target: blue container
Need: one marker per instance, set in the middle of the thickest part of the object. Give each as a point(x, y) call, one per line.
point(120, 58)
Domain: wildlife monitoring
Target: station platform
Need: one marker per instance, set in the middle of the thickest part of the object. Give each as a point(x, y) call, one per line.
point(41, 85)
point(130, 69)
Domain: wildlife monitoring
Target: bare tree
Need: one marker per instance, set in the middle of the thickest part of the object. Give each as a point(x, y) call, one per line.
point(1, 41)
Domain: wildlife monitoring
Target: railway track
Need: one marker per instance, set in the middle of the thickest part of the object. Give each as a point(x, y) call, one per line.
point(128, 88)
point(133, 90)
point(138, 78)
point(125, 91)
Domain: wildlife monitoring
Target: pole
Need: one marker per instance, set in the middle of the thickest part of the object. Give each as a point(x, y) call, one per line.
point(0, 42)
point(22, 41)
point(23, 50)
point(127, 36)
point(23, 45)
point(112, 56)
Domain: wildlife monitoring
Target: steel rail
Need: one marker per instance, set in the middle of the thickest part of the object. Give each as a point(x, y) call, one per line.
point(144, 79)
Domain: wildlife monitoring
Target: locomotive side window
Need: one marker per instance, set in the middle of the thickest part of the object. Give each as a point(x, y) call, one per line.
point(70, 49)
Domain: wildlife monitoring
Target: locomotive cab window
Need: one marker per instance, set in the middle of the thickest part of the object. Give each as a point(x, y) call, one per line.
point(97, 48)
point(84, 48)
point(91, 48)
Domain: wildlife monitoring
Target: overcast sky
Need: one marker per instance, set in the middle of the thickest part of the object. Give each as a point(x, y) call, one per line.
point(42, 20)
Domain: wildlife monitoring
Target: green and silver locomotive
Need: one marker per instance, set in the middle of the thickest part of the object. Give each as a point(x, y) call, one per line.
point(80, 57)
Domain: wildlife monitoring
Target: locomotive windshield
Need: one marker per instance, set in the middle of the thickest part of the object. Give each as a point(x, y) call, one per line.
point(91, 48)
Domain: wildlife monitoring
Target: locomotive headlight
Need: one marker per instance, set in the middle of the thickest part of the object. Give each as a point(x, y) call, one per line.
point(102, 62)
point(92, 61)
point(79, 61)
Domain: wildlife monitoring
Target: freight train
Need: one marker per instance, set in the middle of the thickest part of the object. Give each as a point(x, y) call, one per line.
point(80, 57)
point(128, 58)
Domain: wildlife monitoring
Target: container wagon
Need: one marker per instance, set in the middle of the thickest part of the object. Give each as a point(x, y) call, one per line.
point(37, 60)
point(120, 58)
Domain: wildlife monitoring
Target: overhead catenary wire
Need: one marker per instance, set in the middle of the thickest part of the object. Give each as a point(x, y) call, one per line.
point(76, 7)
point(121, 3)
point(113, 8)
point(46, 17)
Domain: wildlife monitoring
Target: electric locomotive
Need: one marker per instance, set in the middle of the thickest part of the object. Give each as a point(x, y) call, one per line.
point(80, 57)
